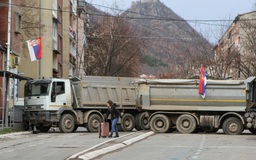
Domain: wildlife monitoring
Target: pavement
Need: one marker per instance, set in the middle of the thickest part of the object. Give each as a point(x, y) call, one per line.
point(110, 145)
point(9, 135)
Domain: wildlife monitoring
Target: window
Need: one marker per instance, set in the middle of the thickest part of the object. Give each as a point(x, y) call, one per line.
point(60, 88)
point(17, 23)
point(54, 8)
point(57, 89)
point(54, 35)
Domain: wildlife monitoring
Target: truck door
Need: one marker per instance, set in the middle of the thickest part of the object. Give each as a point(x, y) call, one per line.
point(58, 94)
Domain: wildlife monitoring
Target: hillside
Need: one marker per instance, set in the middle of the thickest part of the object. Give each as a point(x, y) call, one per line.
point(171, 45)
point(170, 41)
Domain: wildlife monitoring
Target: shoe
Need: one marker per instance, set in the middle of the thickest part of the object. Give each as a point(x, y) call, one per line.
point(110, 136)
point(116, 136)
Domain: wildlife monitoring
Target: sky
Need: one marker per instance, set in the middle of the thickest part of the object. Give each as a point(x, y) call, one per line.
point(201, 14)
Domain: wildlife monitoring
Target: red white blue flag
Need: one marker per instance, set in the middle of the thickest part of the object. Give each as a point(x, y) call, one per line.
point(202, 82)
point(35, 48)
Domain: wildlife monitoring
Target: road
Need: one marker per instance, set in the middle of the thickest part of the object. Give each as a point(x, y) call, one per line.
point(176, 146)
point(46, 146)
point(53, 145)
point(171, 146)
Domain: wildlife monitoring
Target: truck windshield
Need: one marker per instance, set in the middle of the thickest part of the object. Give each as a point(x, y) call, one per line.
point(37, 89)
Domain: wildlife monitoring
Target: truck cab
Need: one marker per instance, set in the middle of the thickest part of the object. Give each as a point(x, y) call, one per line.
point(45, 100)
point(47, 94)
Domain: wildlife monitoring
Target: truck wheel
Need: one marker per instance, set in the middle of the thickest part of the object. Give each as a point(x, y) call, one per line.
point(232, 126)
point(186, 124)
point(127, 122)
point(143, 119)
point(93, 123)
point(160, 123)
point(137, 123)
point(67, 123)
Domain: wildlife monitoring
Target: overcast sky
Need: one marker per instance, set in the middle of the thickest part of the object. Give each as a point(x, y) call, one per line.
point(195, 10)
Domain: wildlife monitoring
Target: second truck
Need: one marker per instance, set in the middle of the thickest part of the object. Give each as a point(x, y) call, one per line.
point(156, 104)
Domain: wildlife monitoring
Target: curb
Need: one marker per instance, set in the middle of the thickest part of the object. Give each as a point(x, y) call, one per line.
point(13, 134)
point(123, 144)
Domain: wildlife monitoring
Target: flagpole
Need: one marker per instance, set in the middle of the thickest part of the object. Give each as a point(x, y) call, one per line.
point(40, 32)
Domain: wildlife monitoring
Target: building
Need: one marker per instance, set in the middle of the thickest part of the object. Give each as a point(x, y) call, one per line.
point(235, 51)
point(10, 31)
point(57, 22)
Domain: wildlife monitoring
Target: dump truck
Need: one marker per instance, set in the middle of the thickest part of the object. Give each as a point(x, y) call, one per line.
point(157, 104)
point(72, 103)
point(175, 103)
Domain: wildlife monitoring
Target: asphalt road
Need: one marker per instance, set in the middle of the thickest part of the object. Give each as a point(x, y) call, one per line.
point(55, 145)
point(176, 146)
point(131, 145)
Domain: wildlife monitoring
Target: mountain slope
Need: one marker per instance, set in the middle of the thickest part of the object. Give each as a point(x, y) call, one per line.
point(170, 41)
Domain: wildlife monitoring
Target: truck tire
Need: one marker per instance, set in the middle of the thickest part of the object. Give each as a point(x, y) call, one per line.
point(137, 122)
point(186, 124)
point(127, 122)
point(93, 123)
point(141, 121)
point(160, 123)
point(67, 123)
point(232, 126)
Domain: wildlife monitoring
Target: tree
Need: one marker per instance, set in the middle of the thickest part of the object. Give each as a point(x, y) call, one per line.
point(113, 49)
point(247, 53)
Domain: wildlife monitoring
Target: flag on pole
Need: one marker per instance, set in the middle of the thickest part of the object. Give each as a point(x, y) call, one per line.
point(202, 82)
point(35, 48)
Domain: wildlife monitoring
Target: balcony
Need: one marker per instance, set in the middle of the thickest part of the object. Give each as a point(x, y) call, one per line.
point(72, 34)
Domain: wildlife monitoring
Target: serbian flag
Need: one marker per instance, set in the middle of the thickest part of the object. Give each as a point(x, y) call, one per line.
point(35, 48)
point(202, 82)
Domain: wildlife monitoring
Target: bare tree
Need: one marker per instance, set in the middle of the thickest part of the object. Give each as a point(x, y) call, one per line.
point(247, 53)
point(113, 49)
point(30, 12)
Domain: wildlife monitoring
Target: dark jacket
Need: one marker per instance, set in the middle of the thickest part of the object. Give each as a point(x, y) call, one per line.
point(113, 112)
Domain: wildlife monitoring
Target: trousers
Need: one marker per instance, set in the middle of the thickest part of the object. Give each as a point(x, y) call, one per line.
point(114, 126)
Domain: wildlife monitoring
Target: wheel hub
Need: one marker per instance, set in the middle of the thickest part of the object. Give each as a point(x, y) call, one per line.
point(68, 123)
point(95, 123)
point(159, 124)
point(233, 127)
point(186, 124)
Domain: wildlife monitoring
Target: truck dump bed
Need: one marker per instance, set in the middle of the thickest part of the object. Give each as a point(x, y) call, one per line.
point(95, 91)
point(182, 95)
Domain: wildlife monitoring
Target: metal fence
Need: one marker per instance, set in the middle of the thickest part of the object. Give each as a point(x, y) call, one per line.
point(12, 118)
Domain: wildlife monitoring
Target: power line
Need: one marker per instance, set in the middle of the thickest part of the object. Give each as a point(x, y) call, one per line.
point(148, 17)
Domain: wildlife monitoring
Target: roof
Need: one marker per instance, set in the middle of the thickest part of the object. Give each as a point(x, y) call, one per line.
point(13, 75)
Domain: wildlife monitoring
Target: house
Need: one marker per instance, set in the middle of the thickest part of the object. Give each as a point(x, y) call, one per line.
point(235, 52)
